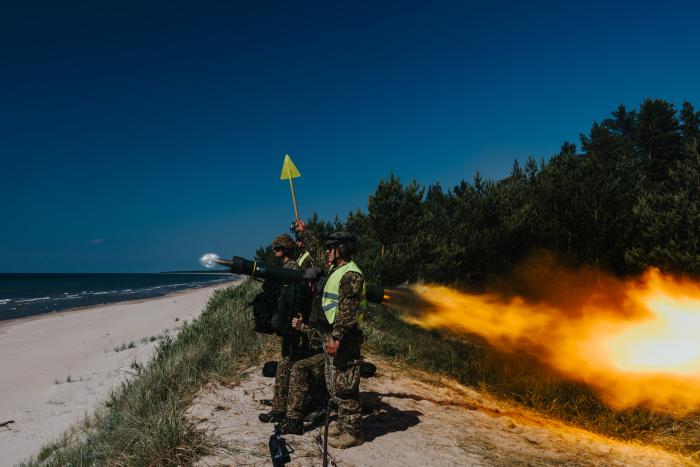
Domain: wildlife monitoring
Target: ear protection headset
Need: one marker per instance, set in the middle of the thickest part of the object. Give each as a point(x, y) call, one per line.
point(344, 243)
point(347, 248)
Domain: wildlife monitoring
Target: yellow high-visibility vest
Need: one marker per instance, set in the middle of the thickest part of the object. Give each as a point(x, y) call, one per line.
point(303, 258)
point(331, 291)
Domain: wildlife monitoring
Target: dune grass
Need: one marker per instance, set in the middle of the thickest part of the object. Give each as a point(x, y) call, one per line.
point(143, 422)
point(522, 379)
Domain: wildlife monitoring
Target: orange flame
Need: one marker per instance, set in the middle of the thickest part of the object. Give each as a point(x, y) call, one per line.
point(637, 342)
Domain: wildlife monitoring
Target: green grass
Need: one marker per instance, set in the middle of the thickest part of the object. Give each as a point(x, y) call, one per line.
point(143, 422)
point(125, 346)
point(522, 379)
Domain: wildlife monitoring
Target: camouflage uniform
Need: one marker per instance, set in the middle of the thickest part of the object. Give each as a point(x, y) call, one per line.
point(343, 371)
point(304, 373)
point(315, 249)
point(306, 262)
point(295, 346)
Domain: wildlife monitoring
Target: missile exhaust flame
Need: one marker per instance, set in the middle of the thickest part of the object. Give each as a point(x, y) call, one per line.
point(634, 341)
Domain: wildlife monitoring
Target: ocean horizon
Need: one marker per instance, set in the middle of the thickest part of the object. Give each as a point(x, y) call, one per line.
point(30, 294)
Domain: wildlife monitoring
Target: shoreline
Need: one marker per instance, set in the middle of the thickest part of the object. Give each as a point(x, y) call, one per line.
point(13, 321)
point(125, 300)
point(59, 367)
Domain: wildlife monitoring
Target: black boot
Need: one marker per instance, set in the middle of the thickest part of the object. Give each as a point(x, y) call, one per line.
point(316, 417)
point(271, 417)
point(293, 427)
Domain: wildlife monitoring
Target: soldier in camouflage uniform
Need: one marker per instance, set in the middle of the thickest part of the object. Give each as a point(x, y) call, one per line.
point(304, 260)
point(341, 300)
point(295, 345)
point(304, 373)
point(309, 370)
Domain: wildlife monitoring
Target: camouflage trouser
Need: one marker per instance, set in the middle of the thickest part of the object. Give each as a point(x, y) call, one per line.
point(280, 399)
point(343, 380)
point(303, 373)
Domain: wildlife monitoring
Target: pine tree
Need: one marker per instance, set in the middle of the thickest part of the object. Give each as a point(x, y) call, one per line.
point(690, 124)
point(669, 220)
point(394, 211)
point(658, 137)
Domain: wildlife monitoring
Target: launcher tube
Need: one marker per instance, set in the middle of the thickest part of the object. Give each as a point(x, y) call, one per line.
point(238, 265)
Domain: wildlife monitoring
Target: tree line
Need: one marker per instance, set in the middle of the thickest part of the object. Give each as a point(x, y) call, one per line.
point(627, 198)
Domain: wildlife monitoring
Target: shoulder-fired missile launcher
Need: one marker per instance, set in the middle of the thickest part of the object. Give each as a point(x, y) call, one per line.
point(242, 266)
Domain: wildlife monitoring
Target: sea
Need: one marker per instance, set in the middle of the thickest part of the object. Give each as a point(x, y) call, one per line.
point(23, 295)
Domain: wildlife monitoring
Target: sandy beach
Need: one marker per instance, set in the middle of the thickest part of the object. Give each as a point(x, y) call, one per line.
point(56, 368)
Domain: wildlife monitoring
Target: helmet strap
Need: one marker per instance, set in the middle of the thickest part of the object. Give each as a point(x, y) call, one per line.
point(339, 260)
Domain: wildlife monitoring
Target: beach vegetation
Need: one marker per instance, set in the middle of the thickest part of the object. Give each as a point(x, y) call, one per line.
point(46, 451)
point(136, 366)
point(147, 339)
point(143, 421)
point(125, 346)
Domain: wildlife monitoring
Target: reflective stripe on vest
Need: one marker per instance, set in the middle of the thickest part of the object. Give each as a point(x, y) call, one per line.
point(303, 258)
point(331, 291)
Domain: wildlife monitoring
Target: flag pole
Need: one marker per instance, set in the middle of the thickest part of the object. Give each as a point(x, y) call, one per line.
point(294, 197)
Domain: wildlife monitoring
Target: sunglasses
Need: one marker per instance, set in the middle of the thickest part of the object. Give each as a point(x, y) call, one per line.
point(278, 248)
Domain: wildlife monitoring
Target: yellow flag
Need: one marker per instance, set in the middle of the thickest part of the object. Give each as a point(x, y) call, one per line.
point(289, 170)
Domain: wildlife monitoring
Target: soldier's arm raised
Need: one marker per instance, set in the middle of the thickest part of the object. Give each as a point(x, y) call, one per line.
point(312, 245)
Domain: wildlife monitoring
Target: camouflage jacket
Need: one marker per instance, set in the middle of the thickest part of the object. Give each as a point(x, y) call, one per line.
point(291, 264)
point(345, 325)
point(346, 318)
point(315, 249)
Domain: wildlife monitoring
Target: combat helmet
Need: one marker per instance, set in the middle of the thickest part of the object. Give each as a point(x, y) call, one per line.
point(344, 241)
point(284, 241)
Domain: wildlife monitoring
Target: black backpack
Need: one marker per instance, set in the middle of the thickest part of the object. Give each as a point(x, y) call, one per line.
point(264, 306)
point(276, 305)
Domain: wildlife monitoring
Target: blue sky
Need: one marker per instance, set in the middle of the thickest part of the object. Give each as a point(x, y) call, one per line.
point(135, 136)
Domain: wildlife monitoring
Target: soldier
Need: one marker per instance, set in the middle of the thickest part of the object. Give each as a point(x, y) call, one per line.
point(342, 298)
point(305, 260)
point(295, 345)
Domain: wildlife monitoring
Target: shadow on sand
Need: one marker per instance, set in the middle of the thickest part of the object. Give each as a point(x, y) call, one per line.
point(383, 418)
